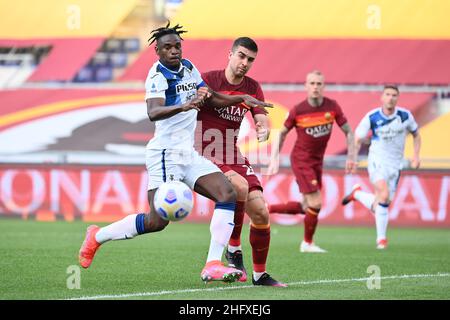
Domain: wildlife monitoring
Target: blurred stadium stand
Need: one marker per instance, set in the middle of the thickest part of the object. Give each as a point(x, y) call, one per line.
point(112, 57)
point(61, 59)
point(73, 35)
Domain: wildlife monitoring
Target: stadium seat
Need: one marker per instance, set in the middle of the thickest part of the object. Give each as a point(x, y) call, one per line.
point(113, 45)
point(86, 74)
point(118, 60)
point(131, 45)
point(101, 59)
point(103, 74)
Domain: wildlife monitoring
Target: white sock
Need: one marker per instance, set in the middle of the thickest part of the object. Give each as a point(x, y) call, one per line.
point(257, 275)
point(120, 230)
point(221, 228)
point(365, 198)
point(233, 249)
point(381, 220)
point(215, 251)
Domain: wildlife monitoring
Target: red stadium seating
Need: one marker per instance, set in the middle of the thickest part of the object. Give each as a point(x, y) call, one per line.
point(342, 61)
point(66, 57)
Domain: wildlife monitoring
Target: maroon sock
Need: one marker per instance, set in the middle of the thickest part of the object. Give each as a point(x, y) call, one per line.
point(311, 219)
point(235, 239)
point(291, 207)
point(260, 241)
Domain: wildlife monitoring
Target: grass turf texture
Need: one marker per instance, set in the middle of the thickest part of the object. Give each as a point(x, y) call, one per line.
point(166, 265)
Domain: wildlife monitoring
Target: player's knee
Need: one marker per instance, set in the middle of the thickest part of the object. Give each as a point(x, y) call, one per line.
point(241, 189)
point(313, 199)
point(316, 203)
point(383, 197)
point(259, 215)
point(226, 194)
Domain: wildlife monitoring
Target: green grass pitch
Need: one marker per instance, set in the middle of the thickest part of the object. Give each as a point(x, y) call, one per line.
point(36, 258)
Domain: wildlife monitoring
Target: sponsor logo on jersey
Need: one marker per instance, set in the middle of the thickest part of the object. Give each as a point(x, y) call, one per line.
point(319, 131)
point(232, 113)
point(316, 124)
point(185, 87)
point(389, 132)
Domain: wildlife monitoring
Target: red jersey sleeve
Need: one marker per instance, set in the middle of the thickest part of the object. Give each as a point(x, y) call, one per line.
point(289, 123)
point(260, 96)
point(206, 78)
point(340, 117)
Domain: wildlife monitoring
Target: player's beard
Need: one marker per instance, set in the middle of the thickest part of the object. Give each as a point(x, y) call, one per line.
point(240, 73)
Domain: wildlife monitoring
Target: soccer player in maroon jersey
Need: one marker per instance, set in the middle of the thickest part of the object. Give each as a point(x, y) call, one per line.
point(313, 119)
point(220, 128)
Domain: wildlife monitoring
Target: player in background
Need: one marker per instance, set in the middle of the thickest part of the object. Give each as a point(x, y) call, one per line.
point(389, 126)
point(220, 123)
point(175, 92)
point(313, 120)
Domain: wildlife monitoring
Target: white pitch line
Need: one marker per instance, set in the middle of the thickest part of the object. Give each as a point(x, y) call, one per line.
point(323, 281)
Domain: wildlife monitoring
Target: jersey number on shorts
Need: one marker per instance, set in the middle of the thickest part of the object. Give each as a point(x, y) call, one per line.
point(249, 170)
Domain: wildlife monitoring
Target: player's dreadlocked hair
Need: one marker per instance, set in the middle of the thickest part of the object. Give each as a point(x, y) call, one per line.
point(158, 33)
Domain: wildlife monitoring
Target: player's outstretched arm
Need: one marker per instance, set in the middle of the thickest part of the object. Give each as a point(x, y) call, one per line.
point(157, 110)
point(222, 100)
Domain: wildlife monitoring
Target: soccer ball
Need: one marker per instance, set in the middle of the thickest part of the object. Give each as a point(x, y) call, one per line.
point(173, 200)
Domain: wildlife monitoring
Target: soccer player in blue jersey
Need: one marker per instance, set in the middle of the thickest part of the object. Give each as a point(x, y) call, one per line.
point(389, 126)
point(175, 92)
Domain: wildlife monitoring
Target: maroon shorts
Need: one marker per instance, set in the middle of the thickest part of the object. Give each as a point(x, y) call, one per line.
point(309, 178)
point(246, 171)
